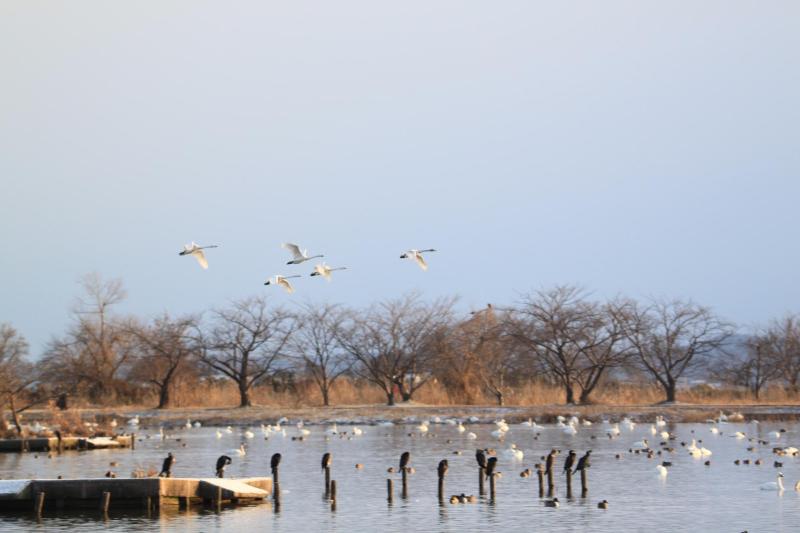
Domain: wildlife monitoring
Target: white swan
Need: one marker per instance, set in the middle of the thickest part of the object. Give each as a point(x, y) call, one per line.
point(298, 256)
point(134, 421)
point(306, 432)
point(662, 470)
point(219, 434)
point(238, 451)
point(423, 428)
point(325, 271)
point(188, 424)
point(664, 435)
point(228, 429)
point(471, 436)
point(641, 445)
point(739, 435)
point(660, 422)
point(249, 434)
point(775, 434)
point(282, 281)
point(197, 252)
point(357, 431)
point(614, 430)
point(715, 430)
point(416, 255)
point(587, 423)
point(774, 485)
point(461, 428)
point(570, 430)
point(512, 452)
point(498, 434)
point(653, 429)
point(528, 423)
point(198, 424)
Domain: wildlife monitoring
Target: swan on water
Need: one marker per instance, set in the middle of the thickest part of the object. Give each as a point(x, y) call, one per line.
point(298, 256)
point(238, 451)
point(662, 470)
point(774, 485)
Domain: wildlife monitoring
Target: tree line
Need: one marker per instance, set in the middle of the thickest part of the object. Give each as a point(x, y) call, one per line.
point(559, 335)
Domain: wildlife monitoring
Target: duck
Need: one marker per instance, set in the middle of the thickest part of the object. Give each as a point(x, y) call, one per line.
point(551, 503)
point(774, 485)
point(603, 504)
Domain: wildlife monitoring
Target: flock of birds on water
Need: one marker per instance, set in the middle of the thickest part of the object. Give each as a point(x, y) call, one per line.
point(299, 256)
point(488, 458)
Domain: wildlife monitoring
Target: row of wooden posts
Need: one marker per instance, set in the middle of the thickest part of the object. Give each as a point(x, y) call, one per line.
point(330, 484)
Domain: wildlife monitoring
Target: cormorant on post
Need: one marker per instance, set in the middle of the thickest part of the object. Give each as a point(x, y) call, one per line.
point(442, 469)
point(583, 462)
point(166, 466)
point(551, 458)
point(570, 462)
point(480, 456)
point(405, 458)
point(491, 464)
point(327, 458)
point(274, 462)
point(222, 462)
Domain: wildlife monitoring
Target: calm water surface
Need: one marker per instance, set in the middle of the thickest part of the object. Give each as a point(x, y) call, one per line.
point(694, 497)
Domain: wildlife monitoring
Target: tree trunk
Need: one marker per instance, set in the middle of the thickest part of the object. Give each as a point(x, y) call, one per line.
point(244, 396)
point(570, 394)
point(669, 388)
point(325, 396)
point(500, 398)
point(585, 393)
point(163, 395)
point(390, 397)
point(14, 415)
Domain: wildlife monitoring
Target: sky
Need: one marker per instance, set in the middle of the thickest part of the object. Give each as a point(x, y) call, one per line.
point(631, 147)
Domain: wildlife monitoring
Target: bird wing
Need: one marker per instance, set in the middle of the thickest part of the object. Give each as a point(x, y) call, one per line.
point(294, 250)
point(283, 282)
point(201, 258)
point(420, 261)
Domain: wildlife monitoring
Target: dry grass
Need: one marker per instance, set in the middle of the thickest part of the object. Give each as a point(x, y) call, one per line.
point(354, 393)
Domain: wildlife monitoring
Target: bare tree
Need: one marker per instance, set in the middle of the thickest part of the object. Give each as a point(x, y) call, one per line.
point(781, 346)
point(97, 346)
point(395, 343)
point(670, 338)
point(316, 347)
point(16, 373)
point(166, 348)
point(246, 342)
point(576, 340)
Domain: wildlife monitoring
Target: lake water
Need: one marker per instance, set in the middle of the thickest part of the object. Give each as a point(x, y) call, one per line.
point(693, 497)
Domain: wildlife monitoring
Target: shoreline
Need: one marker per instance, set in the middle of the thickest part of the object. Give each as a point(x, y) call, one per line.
point(409, 413)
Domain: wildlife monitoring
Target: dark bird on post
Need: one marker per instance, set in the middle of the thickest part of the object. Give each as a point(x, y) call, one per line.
point(570, 462)
point(480, 456)
point(166, 466)
point(442, 468)
point(326, 460)
point(275, 462)
point(551, 457)
point(491, 464)
point(583, 462)
point(405, 458)
point(222, 462)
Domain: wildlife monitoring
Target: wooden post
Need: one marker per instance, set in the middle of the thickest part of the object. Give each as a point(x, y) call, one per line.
point(389, 490)
point(105, 501)
point(492, 486)
point(38, 504)
point(133, 441)
point(540, 476)
point(551, 485)
point(441, 489)
point(276, 496)
point(333, 491)
point(481, 477)
point(276, 477)
point(569, 483)
point(327, 480)
point(405, 483)
point(60, 442)
point(584, 483)
point(219, 499)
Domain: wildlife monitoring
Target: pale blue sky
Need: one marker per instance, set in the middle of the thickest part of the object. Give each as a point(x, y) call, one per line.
point(645, 148)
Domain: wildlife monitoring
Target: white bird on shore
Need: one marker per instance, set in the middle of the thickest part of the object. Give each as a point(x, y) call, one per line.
point(774, 485)
point(188, 424)
point(325, 271)
point(282, 281)
point(197, 252)
point(298, 256)
point(416, 255)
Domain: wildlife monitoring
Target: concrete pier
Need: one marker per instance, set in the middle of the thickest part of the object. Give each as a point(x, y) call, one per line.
point(25, 494)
